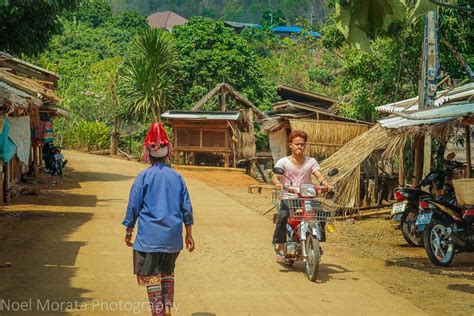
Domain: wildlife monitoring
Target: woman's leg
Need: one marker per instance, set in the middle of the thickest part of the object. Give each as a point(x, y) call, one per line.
point(156, 299)
point(167, 283)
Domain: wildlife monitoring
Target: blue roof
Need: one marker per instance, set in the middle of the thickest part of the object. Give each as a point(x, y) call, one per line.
point(293, 29)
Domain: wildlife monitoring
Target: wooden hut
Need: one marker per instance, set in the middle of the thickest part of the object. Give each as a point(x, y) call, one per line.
point(26, 91)
point(219, 138)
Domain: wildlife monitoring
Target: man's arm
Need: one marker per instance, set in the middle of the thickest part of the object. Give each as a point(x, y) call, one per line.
point(276, 181)
point(321, 178)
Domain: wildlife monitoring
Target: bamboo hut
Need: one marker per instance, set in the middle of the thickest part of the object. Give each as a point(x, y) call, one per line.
point(371, 156)
point(220, 138)
point(26, 91)
point(327, 132)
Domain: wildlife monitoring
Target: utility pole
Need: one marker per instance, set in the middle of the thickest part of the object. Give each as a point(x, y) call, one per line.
point(430, 70)
point(427, 91)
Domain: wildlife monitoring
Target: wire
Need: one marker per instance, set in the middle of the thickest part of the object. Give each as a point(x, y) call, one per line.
point(452, 6)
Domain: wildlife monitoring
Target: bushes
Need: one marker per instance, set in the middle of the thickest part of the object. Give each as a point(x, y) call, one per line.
point(83, 135)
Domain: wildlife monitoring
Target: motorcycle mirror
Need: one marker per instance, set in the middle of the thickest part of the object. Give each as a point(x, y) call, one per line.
point(332, 172)
point(451, 156)
point(278, 170)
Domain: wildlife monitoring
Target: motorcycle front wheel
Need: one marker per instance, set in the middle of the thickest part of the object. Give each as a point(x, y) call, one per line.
point(437, 245)
point(409, 229)
point(58, 165)
point(313, 257)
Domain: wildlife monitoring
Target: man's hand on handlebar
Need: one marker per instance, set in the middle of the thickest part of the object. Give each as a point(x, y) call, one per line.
point(279, 186)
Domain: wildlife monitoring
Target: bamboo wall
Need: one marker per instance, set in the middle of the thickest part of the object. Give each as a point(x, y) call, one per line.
point(327, 137)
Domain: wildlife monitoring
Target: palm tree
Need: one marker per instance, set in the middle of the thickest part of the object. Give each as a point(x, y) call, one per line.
point(148, 83)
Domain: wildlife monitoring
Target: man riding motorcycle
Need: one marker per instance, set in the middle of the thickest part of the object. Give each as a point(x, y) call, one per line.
point(298, 170)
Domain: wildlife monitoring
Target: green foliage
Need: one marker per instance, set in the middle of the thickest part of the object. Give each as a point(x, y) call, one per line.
point(358, 19)
point(148, 82)
point(229, 10)
point(84, 135)
point(27, 25)
point(210, 53)
point(93, 13)
point(275, 18)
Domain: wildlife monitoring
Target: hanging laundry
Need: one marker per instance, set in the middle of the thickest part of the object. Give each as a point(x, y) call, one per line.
point(20, 134)
point(7, 147)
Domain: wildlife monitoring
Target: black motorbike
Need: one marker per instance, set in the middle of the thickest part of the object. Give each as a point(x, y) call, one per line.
point(53, 159)
point(440, 188)
point(447, 229)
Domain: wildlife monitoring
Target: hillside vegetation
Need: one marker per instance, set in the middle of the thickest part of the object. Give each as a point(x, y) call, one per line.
point(234, 10)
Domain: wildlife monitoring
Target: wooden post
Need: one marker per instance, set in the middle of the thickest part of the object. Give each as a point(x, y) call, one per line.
point(467, 131)
point(401, 168)
point(222, 100)
point(36, 162)
point(419, 153)
point(226, 160)
point(427, 155)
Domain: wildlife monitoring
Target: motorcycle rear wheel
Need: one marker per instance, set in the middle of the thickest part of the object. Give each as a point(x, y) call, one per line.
point(437, 245)
point(313, 257)
point(409, 229)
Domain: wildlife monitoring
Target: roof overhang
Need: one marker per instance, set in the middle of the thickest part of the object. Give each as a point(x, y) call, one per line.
point(429, 117)
point(202, 116)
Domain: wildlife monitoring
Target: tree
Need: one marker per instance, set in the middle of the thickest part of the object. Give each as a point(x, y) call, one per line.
point(210, 53)
point(28, 25)
point(148, 81)
point(92, 12)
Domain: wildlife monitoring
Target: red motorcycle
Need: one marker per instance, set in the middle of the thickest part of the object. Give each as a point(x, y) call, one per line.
point(306, 224)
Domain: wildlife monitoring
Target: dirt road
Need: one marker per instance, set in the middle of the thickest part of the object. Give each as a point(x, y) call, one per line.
point(66, 251)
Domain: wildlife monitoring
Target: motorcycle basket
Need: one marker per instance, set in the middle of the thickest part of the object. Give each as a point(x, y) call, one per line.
point(314, 210)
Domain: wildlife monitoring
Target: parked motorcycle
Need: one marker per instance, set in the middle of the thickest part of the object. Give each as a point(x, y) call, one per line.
point(53, 159)
point(440, 187)
point(447, 229)
point(306, 223)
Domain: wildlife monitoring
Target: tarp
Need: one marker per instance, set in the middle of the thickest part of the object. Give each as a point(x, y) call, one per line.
point(7, 147)
point(20, 134)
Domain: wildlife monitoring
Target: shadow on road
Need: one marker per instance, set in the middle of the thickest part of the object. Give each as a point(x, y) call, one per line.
point(459, 269)
point(43, 260)
point(466, 288)
point(326, 271)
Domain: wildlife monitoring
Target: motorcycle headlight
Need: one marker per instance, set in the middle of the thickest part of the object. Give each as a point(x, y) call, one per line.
point(307, 190)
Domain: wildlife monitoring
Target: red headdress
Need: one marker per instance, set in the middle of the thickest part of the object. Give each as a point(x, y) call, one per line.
point(157, 143)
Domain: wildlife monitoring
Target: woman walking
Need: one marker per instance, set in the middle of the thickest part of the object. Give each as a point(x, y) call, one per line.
point(159, 200)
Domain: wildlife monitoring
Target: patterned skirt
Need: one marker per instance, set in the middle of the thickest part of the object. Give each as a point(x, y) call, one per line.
point(150, 267)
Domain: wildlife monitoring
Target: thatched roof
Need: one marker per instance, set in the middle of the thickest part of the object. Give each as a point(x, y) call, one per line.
point(350, 157)
point(29, 86)
point(17, 66)
point(228, 90)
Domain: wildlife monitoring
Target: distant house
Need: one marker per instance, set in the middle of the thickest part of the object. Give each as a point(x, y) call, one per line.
point(289, 31)
point(239, 27)
point(282, 31)
point(165, 20)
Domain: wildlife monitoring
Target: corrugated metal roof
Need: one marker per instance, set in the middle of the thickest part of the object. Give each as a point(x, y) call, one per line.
point(462, 93)
point(242, 25)
point(188, 115)
point(293, 29)
point(430, 116)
